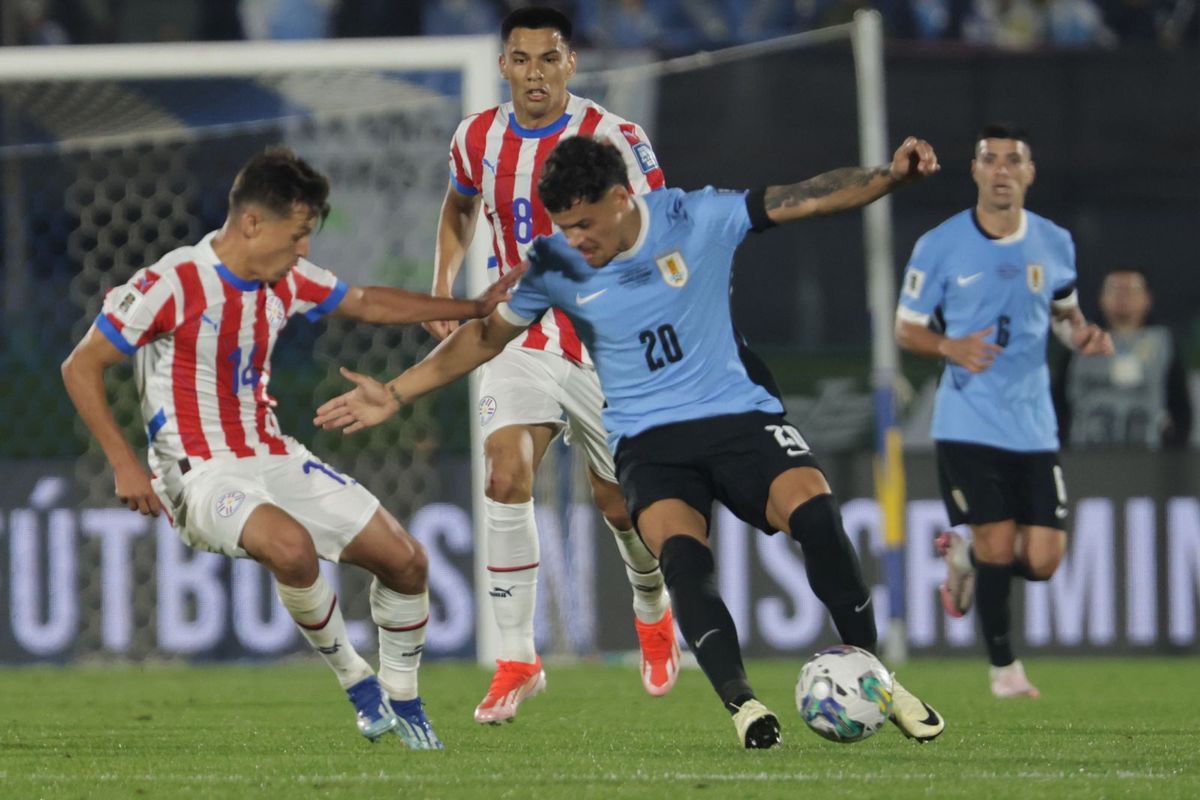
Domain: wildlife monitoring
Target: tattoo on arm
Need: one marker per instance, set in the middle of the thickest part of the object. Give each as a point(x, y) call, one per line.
point(399, 398)
point(823, 185)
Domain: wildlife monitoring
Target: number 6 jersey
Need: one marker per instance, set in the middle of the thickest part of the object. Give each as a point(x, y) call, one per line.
point(202, 340)
point(492, 155)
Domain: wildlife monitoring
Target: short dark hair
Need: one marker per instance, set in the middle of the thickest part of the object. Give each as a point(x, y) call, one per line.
point(580, 169)
point(277, 179)
point(535, 17)
point(1002, 130)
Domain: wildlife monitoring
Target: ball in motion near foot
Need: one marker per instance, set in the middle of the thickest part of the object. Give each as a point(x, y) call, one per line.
point(844, 694)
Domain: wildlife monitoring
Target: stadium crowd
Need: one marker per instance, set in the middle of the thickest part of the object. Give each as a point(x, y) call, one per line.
point(666, 26)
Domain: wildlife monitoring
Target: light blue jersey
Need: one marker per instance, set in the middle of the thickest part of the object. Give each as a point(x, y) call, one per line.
point(656, 319)
point(1006, 284)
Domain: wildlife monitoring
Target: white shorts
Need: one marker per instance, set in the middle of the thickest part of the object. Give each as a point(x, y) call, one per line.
point(531, 387)
point(211, 502)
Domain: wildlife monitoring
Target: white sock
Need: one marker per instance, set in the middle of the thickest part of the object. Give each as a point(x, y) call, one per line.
point(513, 552)
point(402, 621)
point(650, 598)
point(315, 610)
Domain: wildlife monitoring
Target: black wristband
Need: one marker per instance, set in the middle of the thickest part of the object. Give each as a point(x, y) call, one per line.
point(756, 207)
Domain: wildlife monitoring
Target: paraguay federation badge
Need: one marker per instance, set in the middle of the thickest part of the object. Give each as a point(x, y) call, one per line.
point(1035, 276)
point(275, 313)
point(673, 268)
point(487, 409)
point(230, 502)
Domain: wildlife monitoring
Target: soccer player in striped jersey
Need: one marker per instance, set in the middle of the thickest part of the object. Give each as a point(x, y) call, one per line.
point(1001, 278)
point(693, 416)
point(201, 324)
point(545, 381)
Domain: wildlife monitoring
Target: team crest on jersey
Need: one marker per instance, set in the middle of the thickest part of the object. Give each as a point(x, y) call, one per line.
point(645, 156)
point(1035, 276)
point(487, 409)
point(230, 502)
point(275, 312)
point(673, 268)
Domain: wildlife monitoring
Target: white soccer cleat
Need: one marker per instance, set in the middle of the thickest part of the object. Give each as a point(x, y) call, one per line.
point(1010, 681)
point(958, 592)
point(513, 682)
point(660, 654)
point(915, 718)
point(757, 727)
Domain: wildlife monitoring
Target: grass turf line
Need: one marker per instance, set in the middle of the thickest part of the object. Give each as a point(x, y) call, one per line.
point(1103, 728)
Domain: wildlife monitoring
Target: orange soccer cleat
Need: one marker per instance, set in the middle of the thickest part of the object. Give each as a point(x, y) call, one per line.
point(660, 654)
point(513, 682)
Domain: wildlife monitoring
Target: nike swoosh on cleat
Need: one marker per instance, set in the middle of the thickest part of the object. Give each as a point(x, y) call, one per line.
point(700, 641)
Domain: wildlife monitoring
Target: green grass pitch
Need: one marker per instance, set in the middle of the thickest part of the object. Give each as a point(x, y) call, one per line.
point(1104, 728)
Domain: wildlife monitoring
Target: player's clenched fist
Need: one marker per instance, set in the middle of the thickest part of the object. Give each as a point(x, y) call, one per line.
point(914, 160)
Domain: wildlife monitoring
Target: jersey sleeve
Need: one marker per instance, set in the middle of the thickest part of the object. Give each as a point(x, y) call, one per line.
point(461, 163)
point(922, 289)
point(315, 291)
point(723, 213)
point(645, 175)
point(1064, 283)
point(138, 312)
point(531, 299)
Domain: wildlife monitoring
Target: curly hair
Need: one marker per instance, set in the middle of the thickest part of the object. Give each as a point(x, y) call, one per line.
point(580, 169)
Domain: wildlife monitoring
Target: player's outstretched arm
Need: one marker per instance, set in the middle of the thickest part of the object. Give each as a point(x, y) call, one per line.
point(1074, 331)
point(972, 352)
point(382, 304)
point(456, 228)
point(83, 375)
point(371, 402)
point(851, 187)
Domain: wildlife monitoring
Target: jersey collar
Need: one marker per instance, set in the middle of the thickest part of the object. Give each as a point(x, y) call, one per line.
point(538, 133)
point(1012, 238)
point(208, 256)
point(644, 211)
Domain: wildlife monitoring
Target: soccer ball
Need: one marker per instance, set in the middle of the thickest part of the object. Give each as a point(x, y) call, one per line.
point(844, 694)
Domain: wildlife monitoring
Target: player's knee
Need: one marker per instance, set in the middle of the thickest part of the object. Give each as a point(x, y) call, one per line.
point(1043, 563)
point(289, 555)
point(608, 500)
point(994, 549)
point(508, 482)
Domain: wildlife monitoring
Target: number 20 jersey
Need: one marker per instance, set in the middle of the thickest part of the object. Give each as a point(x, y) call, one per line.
point(657, 318)
point(1007, 285)
point(492, 155)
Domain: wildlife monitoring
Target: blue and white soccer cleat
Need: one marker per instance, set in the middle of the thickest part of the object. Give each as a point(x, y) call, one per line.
point(375, 717)
point(414, 728)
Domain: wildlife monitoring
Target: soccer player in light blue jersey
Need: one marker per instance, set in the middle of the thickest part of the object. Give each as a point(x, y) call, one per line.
point(693, 417)
point(998, 278)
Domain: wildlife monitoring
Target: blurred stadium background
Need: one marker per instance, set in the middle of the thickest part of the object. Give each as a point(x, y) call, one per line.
point(101, 177)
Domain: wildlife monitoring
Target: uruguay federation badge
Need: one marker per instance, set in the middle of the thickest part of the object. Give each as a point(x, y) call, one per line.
point(673, 268)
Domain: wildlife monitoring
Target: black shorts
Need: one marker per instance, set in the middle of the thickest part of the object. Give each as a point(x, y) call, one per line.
point(982, 484)
point(732, 458)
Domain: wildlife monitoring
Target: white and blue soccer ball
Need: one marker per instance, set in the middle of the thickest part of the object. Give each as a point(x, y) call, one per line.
point(844, 694)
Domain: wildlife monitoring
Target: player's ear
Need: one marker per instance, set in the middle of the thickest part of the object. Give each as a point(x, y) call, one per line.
point(1032, 172)
point(503, 63)
point(571, 64)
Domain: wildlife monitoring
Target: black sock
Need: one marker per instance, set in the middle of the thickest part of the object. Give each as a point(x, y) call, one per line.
point(833, 569)
point(703, 618)
point(1022, 570)
point(992, 582)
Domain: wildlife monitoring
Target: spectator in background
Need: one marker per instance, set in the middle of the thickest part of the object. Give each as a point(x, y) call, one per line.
point(1137, 397)
point(1009, 24)
point(1077, 23)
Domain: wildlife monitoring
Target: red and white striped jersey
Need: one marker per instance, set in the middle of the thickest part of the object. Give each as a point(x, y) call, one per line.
point(202, 340)
point(492, 155)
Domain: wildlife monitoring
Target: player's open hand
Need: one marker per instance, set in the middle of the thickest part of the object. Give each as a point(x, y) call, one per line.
point(914, 160)
point(500, 291)
point(134, 490)
point(972, 352)
point(367, 404)
point(1090, 340)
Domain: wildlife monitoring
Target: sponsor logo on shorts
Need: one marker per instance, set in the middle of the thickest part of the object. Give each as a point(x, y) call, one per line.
point(960, 500)
point(275, 313)
point(230, 502)
point(487, 409)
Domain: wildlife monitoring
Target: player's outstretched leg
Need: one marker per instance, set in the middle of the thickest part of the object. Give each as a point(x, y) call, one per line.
point(836, 579)
point(958, 592)
point(688, 567)
point(513, 553)
point(653, 620)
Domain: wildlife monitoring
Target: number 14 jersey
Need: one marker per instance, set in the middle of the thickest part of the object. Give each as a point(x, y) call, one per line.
point(657, 318)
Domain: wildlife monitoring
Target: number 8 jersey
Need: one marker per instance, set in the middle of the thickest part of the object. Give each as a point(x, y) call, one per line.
point(494, 156)
point(202, 339)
